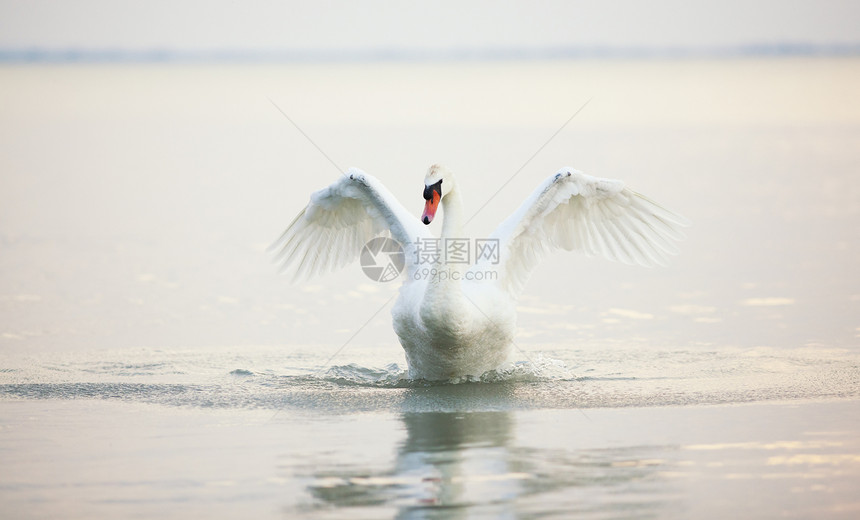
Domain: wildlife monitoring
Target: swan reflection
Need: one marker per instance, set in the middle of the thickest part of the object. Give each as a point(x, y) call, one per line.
point(465, 464)
point(451, 462)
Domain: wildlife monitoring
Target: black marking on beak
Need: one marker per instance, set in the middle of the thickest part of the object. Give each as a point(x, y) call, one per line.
point(426, 221)
point(428, 191)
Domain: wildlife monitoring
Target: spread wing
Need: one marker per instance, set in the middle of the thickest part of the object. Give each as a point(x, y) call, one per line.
point(339, 220)
point(577, 212)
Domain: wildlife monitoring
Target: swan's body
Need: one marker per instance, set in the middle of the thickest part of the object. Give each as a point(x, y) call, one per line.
point(454, 319)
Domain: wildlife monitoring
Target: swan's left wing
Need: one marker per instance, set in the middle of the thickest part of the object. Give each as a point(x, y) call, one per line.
point(577, 212)
point(339, 220)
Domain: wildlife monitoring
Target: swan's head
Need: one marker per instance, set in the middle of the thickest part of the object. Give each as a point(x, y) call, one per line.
point(437, 184)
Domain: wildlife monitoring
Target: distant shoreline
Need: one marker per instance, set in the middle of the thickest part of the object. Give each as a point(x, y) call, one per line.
point(87, 55)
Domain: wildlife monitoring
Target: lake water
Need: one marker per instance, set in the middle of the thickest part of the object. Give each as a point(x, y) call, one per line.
point(153, 363)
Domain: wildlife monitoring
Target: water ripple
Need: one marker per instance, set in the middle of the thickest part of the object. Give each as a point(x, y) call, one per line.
point(272, 379)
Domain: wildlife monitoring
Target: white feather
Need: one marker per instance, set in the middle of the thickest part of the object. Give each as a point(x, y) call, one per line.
point(453, 326)
point(339, 219)
point(578, 212)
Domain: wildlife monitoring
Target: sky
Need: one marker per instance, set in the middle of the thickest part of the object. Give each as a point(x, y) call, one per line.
point(437, 27)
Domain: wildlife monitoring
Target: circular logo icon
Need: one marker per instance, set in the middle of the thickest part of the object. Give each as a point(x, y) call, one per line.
point(382, 259)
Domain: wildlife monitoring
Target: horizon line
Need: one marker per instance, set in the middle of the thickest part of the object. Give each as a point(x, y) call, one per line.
point(389, 54)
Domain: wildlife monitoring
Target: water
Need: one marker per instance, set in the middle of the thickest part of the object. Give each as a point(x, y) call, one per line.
point(268, 378)
point(152, 363)
point(621, 432)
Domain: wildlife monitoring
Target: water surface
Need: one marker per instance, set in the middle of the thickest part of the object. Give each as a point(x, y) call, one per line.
point(152, 362)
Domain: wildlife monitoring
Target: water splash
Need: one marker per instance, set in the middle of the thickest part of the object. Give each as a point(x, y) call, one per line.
point(274, 378)
point(390, 376)
point(539, 369)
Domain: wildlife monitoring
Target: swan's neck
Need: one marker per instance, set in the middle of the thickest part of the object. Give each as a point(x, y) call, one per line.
point(444, 303)
point(452, 212)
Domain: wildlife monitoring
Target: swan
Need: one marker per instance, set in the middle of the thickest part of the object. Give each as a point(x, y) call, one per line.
point(457, 319)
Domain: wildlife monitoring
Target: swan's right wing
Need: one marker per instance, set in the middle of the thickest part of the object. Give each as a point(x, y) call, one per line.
point(578, 212)
point(339, 220)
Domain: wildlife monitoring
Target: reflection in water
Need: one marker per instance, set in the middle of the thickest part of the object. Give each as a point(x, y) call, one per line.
point(463, 459)
point(450, 463)
point(467, 464)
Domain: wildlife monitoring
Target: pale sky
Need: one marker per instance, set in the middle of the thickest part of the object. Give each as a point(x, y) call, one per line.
point(260, 25)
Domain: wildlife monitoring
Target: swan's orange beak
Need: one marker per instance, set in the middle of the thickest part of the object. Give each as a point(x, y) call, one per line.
point(432, 194)
point(430, 207)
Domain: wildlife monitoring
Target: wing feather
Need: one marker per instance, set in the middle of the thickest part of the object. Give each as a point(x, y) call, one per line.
point(339, 219)
point(577, 212)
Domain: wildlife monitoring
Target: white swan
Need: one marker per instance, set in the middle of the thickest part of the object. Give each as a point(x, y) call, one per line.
point(455, 319)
